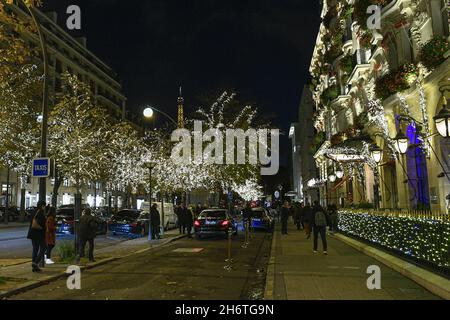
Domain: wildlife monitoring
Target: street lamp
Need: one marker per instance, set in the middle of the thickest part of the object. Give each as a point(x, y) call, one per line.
point(377, 153)
point(442, 120)
point(401, 142)
point(150, 111)
point(332, 178)
point(45, 94)
point(339, 173)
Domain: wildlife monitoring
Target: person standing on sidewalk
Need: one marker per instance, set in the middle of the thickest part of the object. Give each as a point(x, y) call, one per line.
point(179, 214)
point(36, 233)
point(320, 227)
point(286, 211)
point(307, 220)
point(155, 221)
point(50, 234)
point(188, 221)
point(298, 210)
point(88, 232)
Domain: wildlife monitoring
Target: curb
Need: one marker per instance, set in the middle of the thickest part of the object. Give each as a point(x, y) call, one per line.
point(11, 239)
point(270, 275)
point(434, 283)
point(36, 284)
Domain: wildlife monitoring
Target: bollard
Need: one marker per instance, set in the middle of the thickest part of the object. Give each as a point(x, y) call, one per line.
point(229, 260)
point(246, 232)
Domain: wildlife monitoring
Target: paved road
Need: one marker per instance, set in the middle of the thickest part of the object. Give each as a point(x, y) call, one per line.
point(18, 247)
point(165, 273)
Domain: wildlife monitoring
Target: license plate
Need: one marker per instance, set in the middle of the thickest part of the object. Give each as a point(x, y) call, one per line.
point(211, 222)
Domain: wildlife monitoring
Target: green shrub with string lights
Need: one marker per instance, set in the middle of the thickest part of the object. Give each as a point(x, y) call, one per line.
point(426, 240)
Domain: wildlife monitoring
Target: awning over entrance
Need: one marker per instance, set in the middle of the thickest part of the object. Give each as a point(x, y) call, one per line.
point(351, 150)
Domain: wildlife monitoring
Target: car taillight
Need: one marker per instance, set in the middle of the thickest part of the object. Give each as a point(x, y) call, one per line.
point(197, 223)
point(133, 225)
point(225, 223)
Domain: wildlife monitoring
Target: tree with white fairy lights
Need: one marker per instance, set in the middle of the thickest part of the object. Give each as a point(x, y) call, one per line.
point(227, 113)
point(77, 128)
point(20, 90)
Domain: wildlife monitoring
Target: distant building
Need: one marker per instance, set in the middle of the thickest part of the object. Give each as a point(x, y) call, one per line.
point(306, 135)
point(68, 54)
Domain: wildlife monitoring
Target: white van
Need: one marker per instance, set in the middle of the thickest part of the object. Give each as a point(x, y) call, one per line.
point(170, 218)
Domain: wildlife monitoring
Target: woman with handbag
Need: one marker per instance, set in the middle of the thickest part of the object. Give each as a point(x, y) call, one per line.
point(36, 233)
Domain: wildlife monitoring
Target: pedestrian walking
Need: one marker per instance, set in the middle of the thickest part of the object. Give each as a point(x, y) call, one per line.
point(320, 227)
point(298, 211)
point(247, 216)
point(286, 211)
point(155, 221)
point(333, 216)
point(307, 220)
point(36, 233)
point(50, 234)
point(88, 232)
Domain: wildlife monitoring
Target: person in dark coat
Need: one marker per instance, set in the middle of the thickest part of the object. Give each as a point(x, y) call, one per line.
point(320, 215)
point(155, 221)
point(298, 211)
point(87, 233)
point(307, 220)
point(179, 214)
point(36, 233)
point(286, 211)
point(188, 221)
point(247, 214)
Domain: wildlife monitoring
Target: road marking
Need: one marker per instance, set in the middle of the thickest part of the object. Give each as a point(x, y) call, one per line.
point(352, 268)
point(188, 250)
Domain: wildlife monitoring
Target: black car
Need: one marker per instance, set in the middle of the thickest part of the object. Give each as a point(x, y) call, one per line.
point(214, 222)
point(127, 222)
point(65, 217)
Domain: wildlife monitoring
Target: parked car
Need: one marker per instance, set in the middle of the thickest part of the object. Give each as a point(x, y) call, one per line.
point(13, 214)
point(262, 219)
point(170, 218)
point(126, 222)
point(214, 222)
point(65, 220)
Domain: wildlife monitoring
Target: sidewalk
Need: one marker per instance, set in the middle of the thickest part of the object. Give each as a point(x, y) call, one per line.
point(18, 277)
point(295, 273)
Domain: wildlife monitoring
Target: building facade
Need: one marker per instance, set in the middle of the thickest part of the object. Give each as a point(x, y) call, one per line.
point(67, 54)
point(380, 89)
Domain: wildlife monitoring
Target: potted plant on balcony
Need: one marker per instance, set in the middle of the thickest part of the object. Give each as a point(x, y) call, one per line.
point(396, 81)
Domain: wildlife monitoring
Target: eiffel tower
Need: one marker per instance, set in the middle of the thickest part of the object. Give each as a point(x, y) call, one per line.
point(180, 111)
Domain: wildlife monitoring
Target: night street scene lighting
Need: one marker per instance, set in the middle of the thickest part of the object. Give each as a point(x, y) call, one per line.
point(214, 158)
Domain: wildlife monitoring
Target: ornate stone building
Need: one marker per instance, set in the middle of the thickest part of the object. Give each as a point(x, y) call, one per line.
point(375, 90)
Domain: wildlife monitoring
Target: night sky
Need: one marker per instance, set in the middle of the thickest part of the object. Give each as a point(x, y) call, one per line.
point(259, 48)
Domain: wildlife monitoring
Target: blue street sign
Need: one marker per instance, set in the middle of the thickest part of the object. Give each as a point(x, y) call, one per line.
point(41, 168)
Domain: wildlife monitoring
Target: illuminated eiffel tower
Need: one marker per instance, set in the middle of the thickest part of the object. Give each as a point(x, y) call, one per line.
point(180, 111)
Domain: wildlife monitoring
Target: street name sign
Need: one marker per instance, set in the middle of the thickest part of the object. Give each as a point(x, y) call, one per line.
point(41, 168)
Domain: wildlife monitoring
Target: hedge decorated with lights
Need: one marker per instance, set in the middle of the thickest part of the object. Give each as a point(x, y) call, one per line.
point(426, 240)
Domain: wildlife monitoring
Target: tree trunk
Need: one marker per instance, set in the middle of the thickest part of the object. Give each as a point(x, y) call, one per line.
point(56, 186)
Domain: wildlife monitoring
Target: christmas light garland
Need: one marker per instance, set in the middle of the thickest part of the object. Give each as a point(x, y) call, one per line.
point(424, 239)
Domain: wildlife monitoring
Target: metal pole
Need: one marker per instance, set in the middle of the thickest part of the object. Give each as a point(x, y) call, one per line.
point(45, 94)
point(7, 198)
point(150, 204)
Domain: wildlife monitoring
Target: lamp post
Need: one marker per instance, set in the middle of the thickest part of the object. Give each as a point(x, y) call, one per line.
point(149, 165)
point(45, 94)
point(149, 112)
point(401, 142)
point(442, 119)
point(377, 155)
